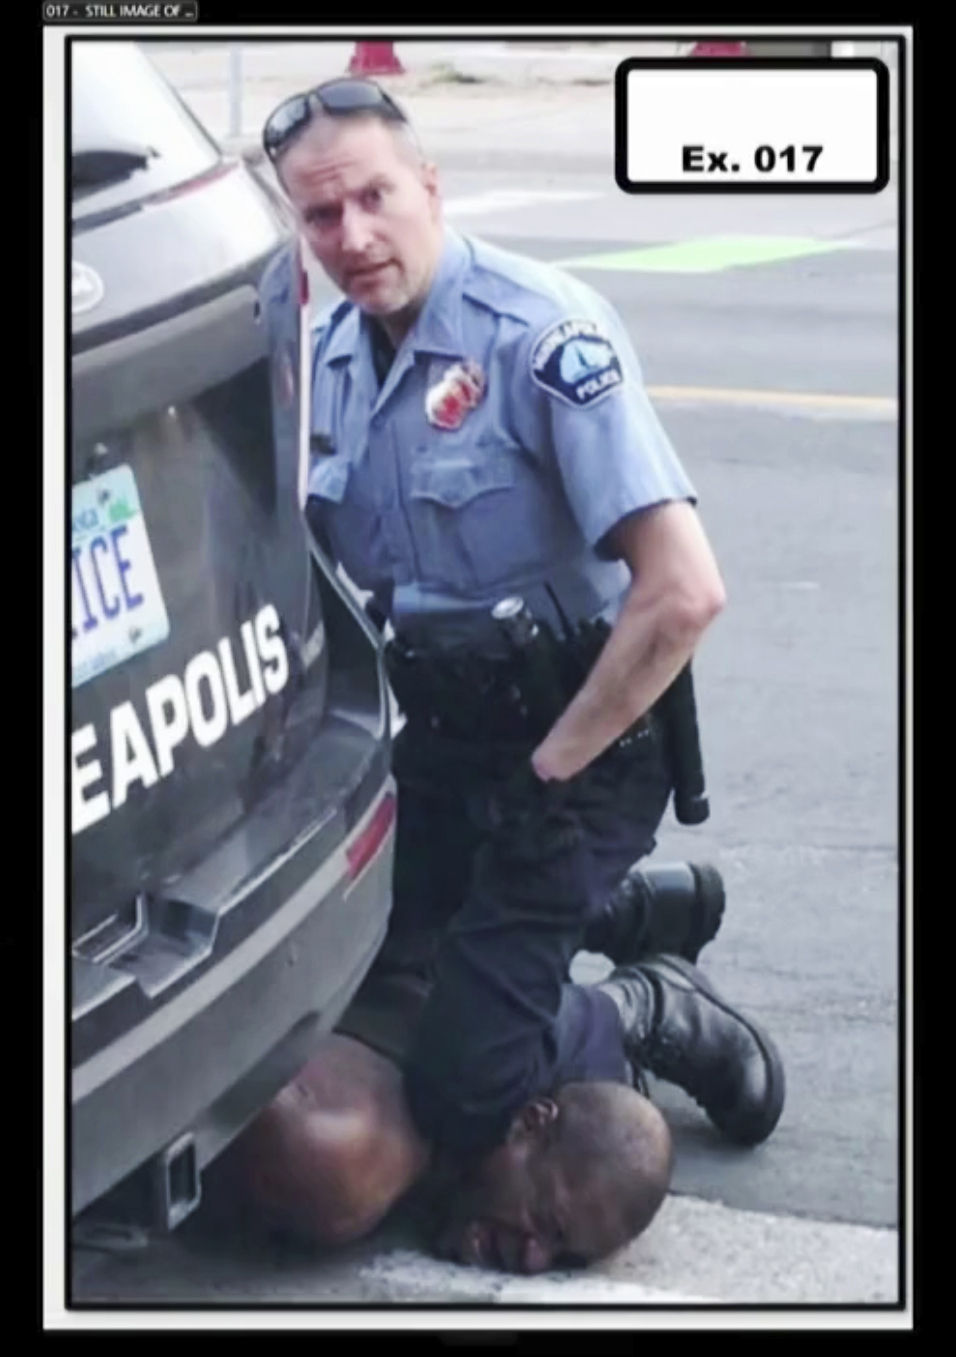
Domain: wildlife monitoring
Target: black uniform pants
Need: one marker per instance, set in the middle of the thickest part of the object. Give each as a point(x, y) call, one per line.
point(490, 911)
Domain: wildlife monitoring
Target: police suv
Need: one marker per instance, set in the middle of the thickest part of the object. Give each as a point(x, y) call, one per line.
point(232, 810)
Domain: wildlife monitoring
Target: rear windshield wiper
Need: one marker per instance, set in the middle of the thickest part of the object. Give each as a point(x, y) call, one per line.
point(99, 166)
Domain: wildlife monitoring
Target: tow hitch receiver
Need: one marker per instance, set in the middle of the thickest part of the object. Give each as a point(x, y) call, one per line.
point(176, 1190)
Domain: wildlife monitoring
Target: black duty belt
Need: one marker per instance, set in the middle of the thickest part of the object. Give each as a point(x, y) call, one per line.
point(476, 698)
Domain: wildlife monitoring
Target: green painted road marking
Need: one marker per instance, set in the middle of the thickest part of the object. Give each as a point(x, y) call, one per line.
point(706, 256)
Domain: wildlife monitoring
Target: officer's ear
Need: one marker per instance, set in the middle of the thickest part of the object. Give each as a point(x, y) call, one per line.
point(429, 173)
point(534, 1119)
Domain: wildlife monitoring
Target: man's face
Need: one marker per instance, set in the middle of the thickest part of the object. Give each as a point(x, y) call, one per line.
point(370, 213)
point(521, 1210)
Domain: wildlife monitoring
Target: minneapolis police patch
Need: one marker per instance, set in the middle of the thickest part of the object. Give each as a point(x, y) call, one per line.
point(575, 361)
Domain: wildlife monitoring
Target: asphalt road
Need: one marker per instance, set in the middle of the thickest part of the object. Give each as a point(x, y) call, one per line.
point(797, 687)
point(797, 690)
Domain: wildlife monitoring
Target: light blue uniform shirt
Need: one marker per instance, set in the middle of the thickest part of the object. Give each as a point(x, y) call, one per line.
point(562, 446)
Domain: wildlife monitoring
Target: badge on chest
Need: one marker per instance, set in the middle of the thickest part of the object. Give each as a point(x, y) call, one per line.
point(459, 390)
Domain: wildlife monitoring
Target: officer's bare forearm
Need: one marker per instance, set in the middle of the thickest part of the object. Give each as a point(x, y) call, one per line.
point(650, 643)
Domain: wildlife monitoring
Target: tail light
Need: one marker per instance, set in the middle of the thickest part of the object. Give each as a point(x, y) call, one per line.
point(361, 852)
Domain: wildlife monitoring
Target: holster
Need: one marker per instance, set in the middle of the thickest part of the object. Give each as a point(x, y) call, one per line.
point(477, 700)
point(461, 695)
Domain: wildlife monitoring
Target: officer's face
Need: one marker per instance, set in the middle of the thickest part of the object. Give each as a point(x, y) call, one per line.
point(369, 211)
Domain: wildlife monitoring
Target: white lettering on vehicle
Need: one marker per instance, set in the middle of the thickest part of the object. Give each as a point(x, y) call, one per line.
point(252, 663)
point(272, 649)
point(132, 757)
point(203, 703)
point(86, 810)
point(207, 728)
point(168, 717)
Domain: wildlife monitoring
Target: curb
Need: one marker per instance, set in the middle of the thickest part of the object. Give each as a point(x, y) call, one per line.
point(408, 1277)
point(696, 1253)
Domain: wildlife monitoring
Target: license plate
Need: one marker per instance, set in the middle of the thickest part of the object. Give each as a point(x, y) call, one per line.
point(118, 607)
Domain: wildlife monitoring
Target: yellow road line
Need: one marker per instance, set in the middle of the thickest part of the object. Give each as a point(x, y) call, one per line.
point(728, 395)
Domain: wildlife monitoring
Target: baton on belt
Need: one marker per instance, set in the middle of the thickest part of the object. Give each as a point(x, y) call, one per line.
point(677, 708)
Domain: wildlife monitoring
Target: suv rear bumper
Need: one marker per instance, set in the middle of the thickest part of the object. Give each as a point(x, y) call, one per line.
point(214, 1054)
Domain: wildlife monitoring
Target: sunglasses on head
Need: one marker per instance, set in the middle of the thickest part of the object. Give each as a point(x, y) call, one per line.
point(338, 98)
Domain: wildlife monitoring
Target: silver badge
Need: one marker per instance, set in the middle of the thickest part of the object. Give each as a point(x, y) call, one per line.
point(461, 389)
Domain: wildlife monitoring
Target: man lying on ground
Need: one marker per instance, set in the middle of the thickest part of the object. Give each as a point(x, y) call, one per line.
point(583, 1164)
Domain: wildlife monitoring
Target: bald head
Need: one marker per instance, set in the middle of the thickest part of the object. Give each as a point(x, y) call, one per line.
point(612, 1159)
point(579, 1175)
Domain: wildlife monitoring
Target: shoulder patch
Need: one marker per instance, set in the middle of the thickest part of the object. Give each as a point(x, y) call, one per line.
point(575, 361)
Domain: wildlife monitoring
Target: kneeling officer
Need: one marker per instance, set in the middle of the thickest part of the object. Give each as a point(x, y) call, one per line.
point(482, 431)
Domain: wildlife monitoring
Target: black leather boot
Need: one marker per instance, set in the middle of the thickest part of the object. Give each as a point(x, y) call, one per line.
point(674, 908)
point(678, 1027)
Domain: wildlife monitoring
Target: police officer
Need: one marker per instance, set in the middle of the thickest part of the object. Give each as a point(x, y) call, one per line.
point(481, 429)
